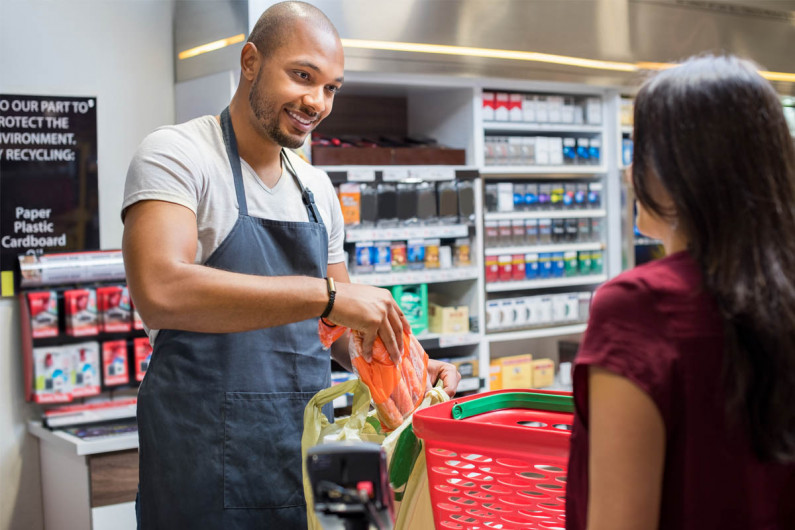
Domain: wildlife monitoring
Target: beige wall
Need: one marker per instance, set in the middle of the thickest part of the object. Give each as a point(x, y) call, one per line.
point(121, 52)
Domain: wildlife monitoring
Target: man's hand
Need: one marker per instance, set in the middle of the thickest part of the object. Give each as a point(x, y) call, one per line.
point(374, 313)
point(446, 372)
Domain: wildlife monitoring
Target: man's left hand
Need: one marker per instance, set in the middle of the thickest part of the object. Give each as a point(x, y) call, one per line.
point(446, 372)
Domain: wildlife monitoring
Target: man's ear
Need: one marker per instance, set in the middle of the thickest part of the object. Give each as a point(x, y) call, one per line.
point(249, 61)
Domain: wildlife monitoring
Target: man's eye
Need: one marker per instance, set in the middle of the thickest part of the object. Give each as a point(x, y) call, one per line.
point(302, 75)
point(333, 89)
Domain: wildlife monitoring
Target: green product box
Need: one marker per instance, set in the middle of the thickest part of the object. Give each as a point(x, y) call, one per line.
point(413, 301)
point(597, 262)
point(584, 257)
point(570, 263)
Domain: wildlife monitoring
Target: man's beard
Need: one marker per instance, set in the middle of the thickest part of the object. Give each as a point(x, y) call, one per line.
point(268, 118)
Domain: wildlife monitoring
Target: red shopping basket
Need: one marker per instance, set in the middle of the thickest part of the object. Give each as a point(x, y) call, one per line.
point(498, 459)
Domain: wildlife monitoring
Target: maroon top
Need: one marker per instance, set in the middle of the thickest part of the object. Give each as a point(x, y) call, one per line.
point(655, 326)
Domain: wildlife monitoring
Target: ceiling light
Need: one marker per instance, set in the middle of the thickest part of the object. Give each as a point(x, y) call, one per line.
point(210, 46)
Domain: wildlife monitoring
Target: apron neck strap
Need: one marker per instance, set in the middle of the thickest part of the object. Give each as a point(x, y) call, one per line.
point(234, 160)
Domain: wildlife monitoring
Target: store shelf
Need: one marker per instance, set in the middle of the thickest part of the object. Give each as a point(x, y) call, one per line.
point(538, 333)
point(353, 235)
point(547, 283)
point(646, 241)
point(543, 170)
point(398, 173)
point(560, 247)
point(543, 214)
point(438, 340)
point(540, 127)
point(420, 276)
point(627, 129)
point(78, 446)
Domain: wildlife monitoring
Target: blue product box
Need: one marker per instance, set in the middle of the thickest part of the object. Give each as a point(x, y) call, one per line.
point(415, 254)
point(544, 265)
point(626, 151)
point(583, 153)
point(558, 265)
point(531, 266)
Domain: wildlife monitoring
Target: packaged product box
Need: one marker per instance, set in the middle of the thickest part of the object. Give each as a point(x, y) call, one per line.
point(518, 267)
point(521, 312)
point(531, 266)
point(543, 373)
point(383, 256)
point(595, 151)
point(113, 305)
point(365, 254)
point(493, 315)
point(515, 107)
point(543, 155)
point(544, 308)
point(86, 367)
point(505, 267)
point(570, 261)
point(492, 269)
point(415, 254)
point(462, 256)
point(397, 250)
point(555, 108)
point(502, 101)
point(488, 106)
point(114, 363)
point(452, 319)
point(350, 202)
point(80, 310)
point(593, 111)
point(529, 109)
point(142, 352)
point(43, 307)
point(542, 109)
point(466, 366)
point(495, 376)
point(432, 253)
point(516, 371)
point(53, 371)
point(413, 301)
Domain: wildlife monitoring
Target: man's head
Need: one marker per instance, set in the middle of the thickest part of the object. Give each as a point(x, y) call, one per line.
point(292, 66)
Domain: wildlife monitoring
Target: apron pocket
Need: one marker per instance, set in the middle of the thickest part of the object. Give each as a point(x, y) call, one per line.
point(262, 449)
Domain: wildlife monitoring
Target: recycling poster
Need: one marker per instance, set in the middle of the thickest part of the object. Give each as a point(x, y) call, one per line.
point(48, 178)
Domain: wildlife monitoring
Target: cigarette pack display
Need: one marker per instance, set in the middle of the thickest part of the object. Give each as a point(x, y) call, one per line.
point(544, 309)
point(542, 109)
point(545, 265)
point(383, 256)
point(570, 259)
point(572, 230)
point(556, 195)
point(593, 111)
point(80, 310)
point(584, 262)
point(387, 203)
point(507, 313)
point(555, 106)
point(432, 253)
point(581, 195)
point(490, 199)
point(445, 256)
point(529, 109)
point(505, 267)
point(542, 154)
point(492, 233)
point(501, 111)
point(43, 307)
point(506, 233)
point(492, 269)
point(143, 355)
point(522, 312)
point(365, 255)
point(531, 266)
point(397, 251)
point(583, 151)
point(595, 150)
point(558, 230)
point(462, 256)
point(350, 202)
point(368, 213)
point(583, 229)
point(466, 200)
point(518, 232)
point(518, 196)
point(488, 106)
point(567, 112)
point(594, 194)
point(493, 315)
point(86, 363)
point(569, 192)
point(518, 267)
point(448, 201)
point(426, 201)
point(556, 151)
point(113, 303)
point(415, 253)
point(531, 231)
point(597, 262)
point(530, 196)
point(596, 229)
point(569, 151)
point(53, 369)
point(407, 202)
point(114, 363)
point(515, 107)
point(558, 265)
point(505, 197)
point(544, 192)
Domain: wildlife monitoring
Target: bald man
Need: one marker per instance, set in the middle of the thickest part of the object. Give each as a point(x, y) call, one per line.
point(230, 244)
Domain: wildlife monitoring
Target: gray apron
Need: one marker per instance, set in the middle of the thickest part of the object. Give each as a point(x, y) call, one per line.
point(220, 415)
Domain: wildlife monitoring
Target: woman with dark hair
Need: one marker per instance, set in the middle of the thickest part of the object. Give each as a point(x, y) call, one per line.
point(684, 385)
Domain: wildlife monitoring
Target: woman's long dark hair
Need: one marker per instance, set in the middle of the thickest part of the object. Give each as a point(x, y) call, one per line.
point(712, 132)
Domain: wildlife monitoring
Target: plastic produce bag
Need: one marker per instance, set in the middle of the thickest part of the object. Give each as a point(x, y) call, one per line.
point(396, 390)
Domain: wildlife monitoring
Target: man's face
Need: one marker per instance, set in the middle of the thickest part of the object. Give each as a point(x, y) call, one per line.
point(295, 86)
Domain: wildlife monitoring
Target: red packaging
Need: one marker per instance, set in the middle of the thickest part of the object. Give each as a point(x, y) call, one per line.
point(492, 269)
point(518, 267)
point(143, 354)
point(81, 312)
point(86, 368)
point(43, 307)
point(113, 303)
point(506, 268)
point(114, 363)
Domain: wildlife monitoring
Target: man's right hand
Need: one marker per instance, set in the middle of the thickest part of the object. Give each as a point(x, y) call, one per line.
point(374, 313)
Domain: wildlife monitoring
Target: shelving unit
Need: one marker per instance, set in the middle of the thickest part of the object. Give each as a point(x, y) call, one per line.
point(552, 171)
point(551, 331)
point(385, 279)
point(558, 247)
point(500, 287)
point(540, 127)
point(548, 214)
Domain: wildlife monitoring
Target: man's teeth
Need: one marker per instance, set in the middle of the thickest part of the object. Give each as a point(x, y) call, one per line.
point(299, 118)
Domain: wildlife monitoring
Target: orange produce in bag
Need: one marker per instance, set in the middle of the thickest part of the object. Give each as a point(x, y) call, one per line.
point(396, 390)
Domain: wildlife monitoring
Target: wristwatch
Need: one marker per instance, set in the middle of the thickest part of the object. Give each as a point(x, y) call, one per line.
point(332, 293)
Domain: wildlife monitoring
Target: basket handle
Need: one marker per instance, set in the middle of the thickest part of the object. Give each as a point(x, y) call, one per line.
point(513, 400)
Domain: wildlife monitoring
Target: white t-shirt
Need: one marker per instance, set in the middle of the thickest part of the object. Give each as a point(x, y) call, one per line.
point(187, 164)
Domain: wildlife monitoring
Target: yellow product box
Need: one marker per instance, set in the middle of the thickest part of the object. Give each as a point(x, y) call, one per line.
point(495, 376)
point(466, 366)
point(543, 373)
point(515, 371)
point(448, 319)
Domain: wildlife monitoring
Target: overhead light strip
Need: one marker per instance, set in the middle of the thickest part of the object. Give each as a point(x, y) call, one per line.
point(211, 46)
point(529, 56)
